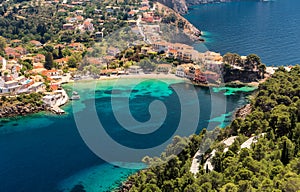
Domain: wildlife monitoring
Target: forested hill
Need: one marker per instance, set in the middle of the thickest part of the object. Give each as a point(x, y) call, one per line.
point(182, 6)
point(271, 164)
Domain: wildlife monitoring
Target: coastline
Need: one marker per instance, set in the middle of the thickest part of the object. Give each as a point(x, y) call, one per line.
point(19, 110)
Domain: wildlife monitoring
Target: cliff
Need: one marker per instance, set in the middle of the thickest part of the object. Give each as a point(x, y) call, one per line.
point(188, 28)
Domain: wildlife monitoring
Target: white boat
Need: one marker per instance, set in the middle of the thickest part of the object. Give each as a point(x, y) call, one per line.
point(75, 96)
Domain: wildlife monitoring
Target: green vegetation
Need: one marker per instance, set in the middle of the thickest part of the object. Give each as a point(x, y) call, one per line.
point(34, 99)
point(271, 164)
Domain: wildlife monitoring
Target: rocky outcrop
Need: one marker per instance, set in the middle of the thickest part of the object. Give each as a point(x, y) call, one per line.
point(20, 109)
point(188, 28)
point(243, 111)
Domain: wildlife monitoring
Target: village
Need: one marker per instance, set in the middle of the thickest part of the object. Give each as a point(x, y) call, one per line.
point(42, 67)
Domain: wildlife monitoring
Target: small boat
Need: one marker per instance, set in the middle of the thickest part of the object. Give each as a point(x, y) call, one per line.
point(75, 96)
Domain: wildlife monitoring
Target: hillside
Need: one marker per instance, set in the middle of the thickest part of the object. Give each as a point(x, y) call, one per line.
point(271, 163)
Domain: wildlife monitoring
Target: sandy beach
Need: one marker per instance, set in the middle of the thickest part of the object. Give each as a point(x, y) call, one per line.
point(143, 76)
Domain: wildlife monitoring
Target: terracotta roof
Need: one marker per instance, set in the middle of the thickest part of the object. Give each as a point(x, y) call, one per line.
point(131, 12)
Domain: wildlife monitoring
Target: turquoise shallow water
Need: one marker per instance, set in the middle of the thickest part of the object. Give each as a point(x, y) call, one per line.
point(45, 152)
point(269, 29)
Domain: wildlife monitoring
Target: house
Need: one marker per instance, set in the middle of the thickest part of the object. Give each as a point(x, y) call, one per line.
point(99, 34)
point(172, 53)
point(164, 68)
point(76, 46)
point(11, 53)
point(79, 12)
point(134, 69)
point(97, 11)
point(49, 100)
point(50, 73)
point(113, 51)
point(10, 87)
point(109, 9)
point(160, 46)
point(3, 63)
point(179, 71)
point(144, 8)
point(88, 25)
point(68, 26)
point(71, 19)
point(15, 42)
point(21, 79)
point(1, 82)
point(131, 14)
point(62, 61)
point(37, 87)
point(36, 43)
point(79, 18)
point(21, 50)
point(39, 58)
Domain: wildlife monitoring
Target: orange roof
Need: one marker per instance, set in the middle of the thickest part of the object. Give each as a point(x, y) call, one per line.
point(16, 41)
point(172, 51)
point(53, 87)
point(145, 8)
point(75, 45)
point(131, 12)
point(61, 60)
point(35, 42)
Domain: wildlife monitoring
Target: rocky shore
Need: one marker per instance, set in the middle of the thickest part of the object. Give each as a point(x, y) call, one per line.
point(20, 110)
point(243, 111)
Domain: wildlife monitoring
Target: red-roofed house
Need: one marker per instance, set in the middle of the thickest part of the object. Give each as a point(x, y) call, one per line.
point(36, 43)
point(50, 73)
point(39, 58)
point(61, 61)
point(88, 25)
point(131, 14)
point(76, 46)
point(21, 50)
point(11, 53)
point(145, 8)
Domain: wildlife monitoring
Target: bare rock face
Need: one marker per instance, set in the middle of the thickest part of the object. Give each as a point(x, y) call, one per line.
point(179, 6)
point(243, 112)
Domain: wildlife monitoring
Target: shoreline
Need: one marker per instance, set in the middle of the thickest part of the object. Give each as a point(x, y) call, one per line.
point(133, 76)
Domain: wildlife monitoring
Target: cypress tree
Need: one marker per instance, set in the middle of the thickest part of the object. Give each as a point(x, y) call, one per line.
point(48, 61)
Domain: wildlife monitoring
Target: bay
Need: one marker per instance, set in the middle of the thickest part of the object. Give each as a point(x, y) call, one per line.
point(45, 152)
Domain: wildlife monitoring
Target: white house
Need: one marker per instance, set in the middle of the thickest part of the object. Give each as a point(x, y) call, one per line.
point(36, 87)
point(179, 71)
point(9, 87)
point(3, 63)
point(134, 69)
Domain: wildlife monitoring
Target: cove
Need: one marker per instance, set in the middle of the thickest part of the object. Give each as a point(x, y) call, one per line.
point(44, 152)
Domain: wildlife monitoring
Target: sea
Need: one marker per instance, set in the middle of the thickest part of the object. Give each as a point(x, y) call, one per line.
point(267, 28)
point(46, 152)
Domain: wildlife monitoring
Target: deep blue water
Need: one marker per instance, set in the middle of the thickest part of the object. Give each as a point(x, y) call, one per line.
point(269, 29)
point(44, 152)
